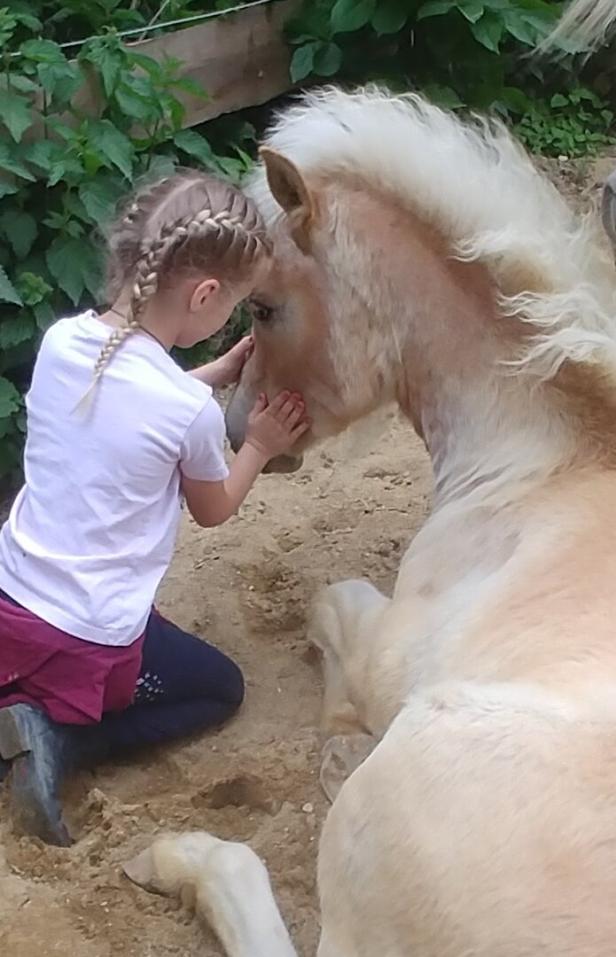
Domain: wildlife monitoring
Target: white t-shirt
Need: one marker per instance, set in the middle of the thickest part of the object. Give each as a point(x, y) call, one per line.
point(92, 532)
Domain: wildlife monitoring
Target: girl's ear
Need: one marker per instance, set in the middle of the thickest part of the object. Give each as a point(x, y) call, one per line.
point(202, 293)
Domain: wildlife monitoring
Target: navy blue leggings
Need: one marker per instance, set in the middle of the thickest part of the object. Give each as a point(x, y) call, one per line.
point(185, 685)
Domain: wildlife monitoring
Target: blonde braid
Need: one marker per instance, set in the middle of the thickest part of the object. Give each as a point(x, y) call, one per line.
point(237, 232)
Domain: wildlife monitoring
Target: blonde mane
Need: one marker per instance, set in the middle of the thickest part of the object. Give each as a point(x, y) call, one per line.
point(475, 184)
point(586, 23)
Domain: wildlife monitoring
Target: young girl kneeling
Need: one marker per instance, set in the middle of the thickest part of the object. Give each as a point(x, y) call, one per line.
point(117, 432)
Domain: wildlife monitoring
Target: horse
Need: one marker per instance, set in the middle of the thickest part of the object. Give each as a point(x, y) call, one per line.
point(422, 259)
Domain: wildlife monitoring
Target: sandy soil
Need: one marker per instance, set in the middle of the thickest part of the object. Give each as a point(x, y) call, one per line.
point(246, 588)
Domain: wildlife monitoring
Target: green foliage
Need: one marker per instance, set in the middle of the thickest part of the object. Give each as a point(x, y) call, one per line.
point(62, 171)
point(461, 53)
point(577, 123)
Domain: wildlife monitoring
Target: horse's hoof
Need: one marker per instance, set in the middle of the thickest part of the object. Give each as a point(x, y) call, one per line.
point(342, 755)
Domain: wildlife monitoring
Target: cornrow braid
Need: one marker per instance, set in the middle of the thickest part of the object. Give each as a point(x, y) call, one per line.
point(187, 222)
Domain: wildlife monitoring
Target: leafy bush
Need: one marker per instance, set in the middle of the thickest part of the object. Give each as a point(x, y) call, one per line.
point(74, 19)
point(461, 51)
point(62, 172)
point(577, 123)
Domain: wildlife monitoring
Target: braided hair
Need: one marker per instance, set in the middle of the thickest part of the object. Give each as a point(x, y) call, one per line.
point(186, 222)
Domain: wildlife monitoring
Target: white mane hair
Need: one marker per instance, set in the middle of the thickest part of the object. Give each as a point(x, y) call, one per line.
point(475, 184)
point(585, 22)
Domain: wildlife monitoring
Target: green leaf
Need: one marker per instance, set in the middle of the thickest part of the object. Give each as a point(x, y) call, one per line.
point(28, 20)
point(65, 169)
point(99, 197)
point(10, 163)
point(327, 59)
point(18, 82)
point(8, 293)
point(8, 23)
point(558, 100)
point(42, 51)
point(488, 31)
point(390, 16)
point(443, 96)
point(519, 28)
point(16, 330)
point(10, 399)
point(472, 10)
point(7, 189)
point(15, 113)
point(302, 62)
point(108, 60)
point(187, 85)
point(59, 80)
point(350, 15)
point(44, 315)
point(196, 146)
point(20, 230)
point(32, 288)
point(435, 8)
point(112, 146)
point(75, 266)
point(134, 105)
point(147, 63)
point(160, 166)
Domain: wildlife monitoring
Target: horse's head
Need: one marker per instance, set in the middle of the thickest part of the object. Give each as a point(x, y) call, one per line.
point(416, 257)
point(315, 326)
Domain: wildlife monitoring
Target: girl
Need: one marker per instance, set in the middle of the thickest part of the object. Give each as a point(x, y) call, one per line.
point(116, 433)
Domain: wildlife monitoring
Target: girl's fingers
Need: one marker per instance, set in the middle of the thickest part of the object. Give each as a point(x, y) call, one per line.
point(276, 404)
point(289, 409)
point(261, 404)
point(300, 429)
point(294, 416)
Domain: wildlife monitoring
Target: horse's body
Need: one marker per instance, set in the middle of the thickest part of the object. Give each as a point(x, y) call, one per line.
point(426, 262)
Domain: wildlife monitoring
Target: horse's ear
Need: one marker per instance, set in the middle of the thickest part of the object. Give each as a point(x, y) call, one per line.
point(290, 190)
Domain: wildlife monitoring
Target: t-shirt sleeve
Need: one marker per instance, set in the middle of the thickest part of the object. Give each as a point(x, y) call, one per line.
point(202, 454)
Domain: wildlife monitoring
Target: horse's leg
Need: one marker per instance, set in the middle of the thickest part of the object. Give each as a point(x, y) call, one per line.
point(228, 885)
point(341, 625)
point(342, 755)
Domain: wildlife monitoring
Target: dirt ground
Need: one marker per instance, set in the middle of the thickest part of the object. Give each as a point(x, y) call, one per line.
point(246, 588)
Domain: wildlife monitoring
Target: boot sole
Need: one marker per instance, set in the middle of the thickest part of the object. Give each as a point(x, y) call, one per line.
point(14, 739)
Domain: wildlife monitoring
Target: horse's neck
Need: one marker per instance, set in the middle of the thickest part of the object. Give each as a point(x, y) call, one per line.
point(490, 435)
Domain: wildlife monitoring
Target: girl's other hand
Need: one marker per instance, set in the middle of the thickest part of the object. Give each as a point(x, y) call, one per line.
point(227, 369)
point(274, 428)
point(233, 361)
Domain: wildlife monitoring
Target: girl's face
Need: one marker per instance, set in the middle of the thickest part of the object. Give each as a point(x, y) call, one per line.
point(210, 304)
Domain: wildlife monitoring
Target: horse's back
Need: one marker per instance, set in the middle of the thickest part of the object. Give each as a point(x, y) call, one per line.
point(483, 824)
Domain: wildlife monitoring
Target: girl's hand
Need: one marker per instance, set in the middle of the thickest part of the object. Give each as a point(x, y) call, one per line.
point(227, 369)
point(274, 428)
point(233, 361)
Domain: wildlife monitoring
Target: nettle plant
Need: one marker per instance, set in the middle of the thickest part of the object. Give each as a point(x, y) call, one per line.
point(62, 171)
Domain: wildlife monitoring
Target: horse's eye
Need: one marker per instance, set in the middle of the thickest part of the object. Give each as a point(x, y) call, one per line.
point(259, 311)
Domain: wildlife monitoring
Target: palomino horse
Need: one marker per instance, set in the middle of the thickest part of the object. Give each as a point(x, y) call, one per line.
point(424, 260)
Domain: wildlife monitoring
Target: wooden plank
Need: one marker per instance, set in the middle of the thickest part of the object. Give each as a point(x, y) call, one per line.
point(241, 59)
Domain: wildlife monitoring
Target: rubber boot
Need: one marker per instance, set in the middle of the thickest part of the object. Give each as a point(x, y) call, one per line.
point(41, 753)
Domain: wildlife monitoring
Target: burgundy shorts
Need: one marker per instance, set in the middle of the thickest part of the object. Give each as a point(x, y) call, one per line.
point(74, 681)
